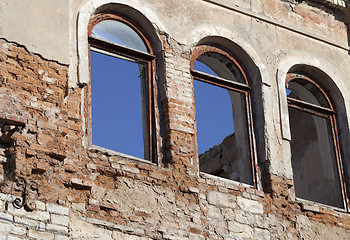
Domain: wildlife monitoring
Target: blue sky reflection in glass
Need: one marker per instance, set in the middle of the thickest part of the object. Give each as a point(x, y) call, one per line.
point(116, 105)
point(288, 91)
point(213, 111)
point(118, 33)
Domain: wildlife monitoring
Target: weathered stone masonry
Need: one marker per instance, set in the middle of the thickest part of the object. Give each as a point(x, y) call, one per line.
point(73, 191)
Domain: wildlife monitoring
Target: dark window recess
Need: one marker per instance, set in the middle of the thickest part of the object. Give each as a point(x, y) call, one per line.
point(225, 145)
point(316, 158)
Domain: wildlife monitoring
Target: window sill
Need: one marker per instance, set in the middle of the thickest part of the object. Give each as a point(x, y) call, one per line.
point(308, 205)
point(110, 152)
point(225, 180)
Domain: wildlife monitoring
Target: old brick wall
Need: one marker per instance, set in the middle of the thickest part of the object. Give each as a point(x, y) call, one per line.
point(73, 191)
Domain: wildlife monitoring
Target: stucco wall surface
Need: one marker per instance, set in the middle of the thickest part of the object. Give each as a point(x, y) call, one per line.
point(40, 25)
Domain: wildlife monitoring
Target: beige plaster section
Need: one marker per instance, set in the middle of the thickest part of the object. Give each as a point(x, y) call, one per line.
point(313, 230)
point(130, 196)
point(41, 25)
point(81, 230)
point(272, 12)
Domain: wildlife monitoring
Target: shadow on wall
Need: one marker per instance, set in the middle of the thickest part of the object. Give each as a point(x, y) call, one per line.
point(348, 30)
point(347, 22)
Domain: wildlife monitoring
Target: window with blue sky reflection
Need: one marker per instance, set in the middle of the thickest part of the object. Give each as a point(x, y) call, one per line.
point(116, 104)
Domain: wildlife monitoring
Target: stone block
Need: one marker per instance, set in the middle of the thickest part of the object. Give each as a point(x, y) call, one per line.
point(59, 220)
point(79, 206)
point(40, 206)
point(4, 217)
point(56, 228)
point(240, 230)
point(100, 222)
point(39, 215)
point(11, 237)
point(250, 205)
point(5, 197)
point(40, 235)
point(131, 170)
point(60, 237)
point(36, 215)
point(222, 199)
point(262, 234)
point(193, 189)
point(309, 207)
point(18, 230)
point(81, 230)
point(5, 228)
point(214, 212)
point(228, 214)
point(26, 222)
point(124, 236)
point(193, 236)
point(245, 217)
point(42, 226)
point(54, 208)
point(81, 182)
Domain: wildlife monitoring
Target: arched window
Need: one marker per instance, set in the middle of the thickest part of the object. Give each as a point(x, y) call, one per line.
point(122, 69)
point(223, 115)
point(316, 159)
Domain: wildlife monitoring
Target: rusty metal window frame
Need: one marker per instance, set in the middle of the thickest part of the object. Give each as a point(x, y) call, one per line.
point(234, 86)
point(129, 54)
point(328, 113)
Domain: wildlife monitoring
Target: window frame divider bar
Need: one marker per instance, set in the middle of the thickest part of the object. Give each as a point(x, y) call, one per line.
point(218, 81)
point(120, 50)
point(308, 107)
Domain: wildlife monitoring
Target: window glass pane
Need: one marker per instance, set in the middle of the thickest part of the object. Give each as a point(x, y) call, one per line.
point(305, 91)
point(117, 108)
point(199, 66)
point(220, 65)
point(119, 33)
point(221, 121)
point(316, 177)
